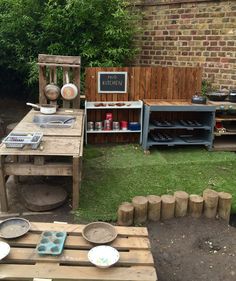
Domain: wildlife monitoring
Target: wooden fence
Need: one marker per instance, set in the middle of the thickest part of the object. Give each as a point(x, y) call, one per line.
point(148, 83)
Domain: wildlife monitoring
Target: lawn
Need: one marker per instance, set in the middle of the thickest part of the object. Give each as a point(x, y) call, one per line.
point(113, 174)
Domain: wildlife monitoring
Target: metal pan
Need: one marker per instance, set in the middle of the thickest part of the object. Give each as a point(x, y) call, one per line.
point(44, 108)
point(13, 228)
point(69, 91)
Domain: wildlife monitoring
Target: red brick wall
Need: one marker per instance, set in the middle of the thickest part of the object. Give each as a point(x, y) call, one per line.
point(191, 34)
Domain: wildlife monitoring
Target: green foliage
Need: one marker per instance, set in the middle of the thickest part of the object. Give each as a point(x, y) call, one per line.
point(100, 31)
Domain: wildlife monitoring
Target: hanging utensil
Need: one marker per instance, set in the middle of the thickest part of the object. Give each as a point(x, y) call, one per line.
point(52, 91)
point(69, 91)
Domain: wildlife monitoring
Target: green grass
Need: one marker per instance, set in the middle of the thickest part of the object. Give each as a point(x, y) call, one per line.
point(113, 174)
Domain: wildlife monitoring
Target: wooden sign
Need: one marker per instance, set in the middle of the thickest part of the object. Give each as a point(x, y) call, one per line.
point(112, 82)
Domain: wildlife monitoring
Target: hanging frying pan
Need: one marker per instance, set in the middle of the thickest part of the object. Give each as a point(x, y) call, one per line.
point(52, 91)
point(69, 91)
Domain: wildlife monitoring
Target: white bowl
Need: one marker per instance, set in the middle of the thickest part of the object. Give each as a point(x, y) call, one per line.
point(103, 256)
point(4, 249)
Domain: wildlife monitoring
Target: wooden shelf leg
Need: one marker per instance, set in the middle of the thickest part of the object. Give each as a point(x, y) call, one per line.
point(16, 178)
point(3, 192)
point(76, 183)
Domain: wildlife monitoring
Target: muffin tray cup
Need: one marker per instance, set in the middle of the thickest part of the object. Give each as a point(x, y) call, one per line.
point(162, 123)
point(190, 123)
point(161, 137)
point(51, 243)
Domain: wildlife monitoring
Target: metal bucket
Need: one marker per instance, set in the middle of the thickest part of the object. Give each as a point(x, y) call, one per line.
point(107, 125)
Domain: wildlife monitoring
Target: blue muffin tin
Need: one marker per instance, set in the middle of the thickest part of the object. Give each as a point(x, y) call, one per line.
point(51, 243)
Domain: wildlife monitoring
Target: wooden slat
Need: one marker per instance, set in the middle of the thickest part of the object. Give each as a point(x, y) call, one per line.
point(42, 84)
point(43, 58)
point(73, 257)
point(38, 170)
point(78, 242)
point(77, 229)
point(3, 193)
point(68, 273)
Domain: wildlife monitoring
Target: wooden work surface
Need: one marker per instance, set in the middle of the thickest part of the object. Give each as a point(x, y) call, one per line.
point(27, 125)
point(57, 146)
point(23, 262)
point(156, 102)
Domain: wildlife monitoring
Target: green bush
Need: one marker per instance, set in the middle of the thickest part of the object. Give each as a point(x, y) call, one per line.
point(100, 31)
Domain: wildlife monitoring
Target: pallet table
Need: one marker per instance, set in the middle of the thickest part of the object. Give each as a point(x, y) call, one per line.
point(64, 147)
point(23, 262)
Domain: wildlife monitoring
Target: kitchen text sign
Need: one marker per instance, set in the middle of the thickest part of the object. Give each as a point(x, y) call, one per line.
point(112, 82)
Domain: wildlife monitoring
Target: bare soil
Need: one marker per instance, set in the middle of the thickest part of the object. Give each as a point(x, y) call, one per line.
point(188, 249)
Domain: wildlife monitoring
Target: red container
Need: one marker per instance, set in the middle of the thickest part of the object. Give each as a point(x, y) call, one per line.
point(109, 116)
point(124, 125)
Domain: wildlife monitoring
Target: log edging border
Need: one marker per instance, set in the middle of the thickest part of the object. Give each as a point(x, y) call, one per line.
point(211, 204)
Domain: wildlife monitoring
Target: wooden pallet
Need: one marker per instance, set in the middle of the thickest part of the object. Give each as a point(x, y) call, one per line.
point(23, 262)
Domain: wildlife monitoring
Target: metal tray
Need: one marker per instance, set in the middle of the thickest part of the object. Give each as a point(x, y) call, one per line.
point(99, 232)
point(19, 140)
point(51, 243)
point(14, 227)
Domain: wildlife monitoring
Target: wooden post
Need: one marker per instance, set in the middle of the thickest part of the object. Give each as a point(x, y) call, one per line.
point(167, 207)
point(181, 203)
point(76, 183)
point(210, 203)
point(125, 214)
point(154, 207)
point(140, 204)
point(195, 205)
point(3, 192)
point(224, 207)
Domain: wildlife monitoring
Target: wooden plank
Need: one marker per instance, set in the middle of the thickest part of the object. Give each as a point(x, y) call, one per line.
point(58, 64)
point(56, 146)
point(76, 81)
point(38, 170)
point(42, 84)
point(44, 58)
point(78, 242)
point(73, 257)
point(68, 273)
point(3, 192)
point(77, 229)
point(76, 182)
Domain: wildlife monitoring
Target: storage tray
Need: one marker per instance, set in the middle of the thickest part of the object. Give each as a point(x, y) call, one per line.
point(190, 123)
point(19, 140)
point(51, 243)
point(164, 123)
point(161, 137)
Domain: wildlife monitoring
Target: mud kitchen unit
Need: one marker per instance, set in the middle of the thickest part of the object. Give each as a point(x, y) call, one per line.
point(61, 148)
point(177, 122)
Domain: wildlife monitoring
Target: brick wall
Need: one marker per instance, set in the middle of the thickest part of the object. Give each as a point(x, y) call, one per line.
point(191, 34)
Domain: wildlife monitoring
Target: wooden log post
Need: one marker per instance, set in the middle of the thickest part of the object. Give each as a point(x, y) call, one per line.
point(125, 214)
point(167, 207)
point(210, 197)
point(181, 203)
point(154, 207)
point(140, 204)
point(224, 206)
point(195, 205)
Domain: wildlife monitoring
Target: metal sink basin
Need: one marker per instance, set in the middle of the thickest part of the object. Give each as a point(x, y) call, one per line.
point(54, 121)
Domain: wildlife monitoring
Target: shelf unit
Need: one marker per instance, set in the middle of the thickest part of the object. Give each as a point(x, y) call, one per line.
point(173, 111)
point(113, 106)
point(226, 115)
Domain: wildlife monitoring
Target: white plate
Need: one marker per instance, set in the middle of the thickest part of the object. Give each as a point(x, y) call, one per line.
point(103, 256)
point(4, 249)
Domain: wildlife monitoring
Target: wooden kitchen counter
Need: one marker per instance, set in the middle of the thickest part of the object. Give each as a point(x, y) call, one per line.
point(56, 142)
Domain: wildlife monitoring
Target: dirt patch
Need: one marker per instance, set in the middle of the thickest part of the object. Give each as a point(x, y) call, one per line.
point(194, 249)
